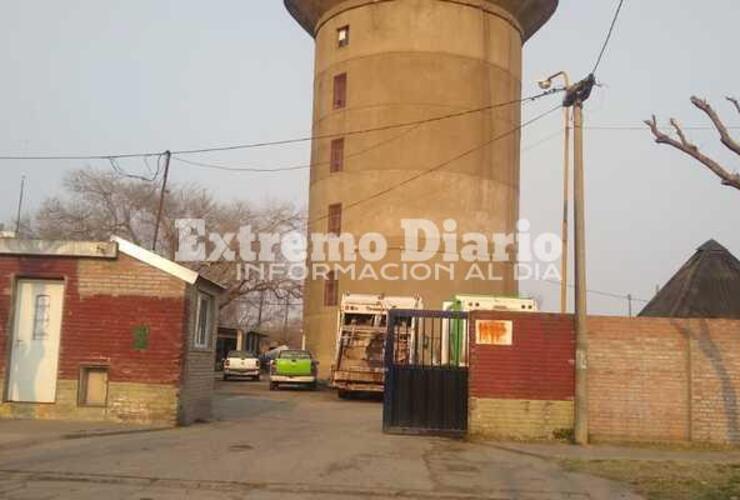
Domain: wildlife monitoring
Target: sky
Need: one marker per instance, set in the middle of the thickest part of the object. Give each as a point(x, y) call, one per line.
point(88, 77)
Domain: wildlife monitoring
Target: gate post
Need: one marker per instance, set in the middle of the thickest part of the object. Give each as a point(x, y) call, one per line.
point(388, 370)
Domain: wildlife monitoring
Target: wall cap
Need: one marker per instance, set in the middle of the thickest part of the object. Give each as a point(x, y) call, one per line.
point(88, 249)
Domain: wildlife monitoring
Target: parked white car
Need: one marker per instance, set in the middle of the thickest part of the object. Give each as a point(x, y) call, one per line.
point(241, 364)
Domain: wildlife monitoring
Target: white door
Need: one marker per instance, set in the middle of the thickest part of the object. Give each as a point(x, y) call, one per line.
point(37, 324)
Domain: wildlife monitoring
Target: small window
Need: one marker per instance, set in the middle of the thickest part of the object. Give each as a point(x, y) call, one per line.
point(41, 317)
point(331, 290)
point(203, 321)
point(335, 219)
point(343, 36)
point(93, 387)
point(340, 91)
point(337, 156)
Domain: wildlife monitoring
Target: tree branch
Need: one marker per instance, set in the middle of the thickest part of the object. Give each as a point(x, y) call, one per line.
point(728, 178)
point(735, 102)
point(724, 134)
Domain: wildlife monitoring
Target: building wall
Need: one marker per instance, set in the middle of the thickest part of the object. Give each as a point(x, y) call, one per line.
point(650, 379)
point(524, 390)
point(104, 301)
point(198, 370)
point(659, 379)
point(411, 60)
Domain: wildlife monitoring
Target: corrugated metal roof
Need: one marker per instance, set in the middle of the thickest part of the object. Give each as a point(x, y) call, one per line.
point(707, 286)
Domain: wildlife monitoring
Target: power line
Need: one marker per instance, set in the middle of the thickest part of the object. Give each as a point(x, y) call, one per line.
point(286, 141)
point(440, 165)
point(528, 147)
point(227, 168)
point(644, 127)
point(608, 36)
point(542, 141)
point(240, 169)
point(120, 171)
point(372, 129)
point(601, 292)
point(296, 167)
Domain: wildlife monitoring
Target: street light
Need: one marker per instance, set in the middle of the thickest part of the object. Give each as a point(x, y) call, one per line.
point(575, 96)
point(546, 85)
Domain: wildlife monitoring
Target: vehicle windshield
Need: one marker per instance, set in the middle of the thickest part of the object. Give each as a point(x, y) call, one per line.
point(241, 354)
point(295, 355)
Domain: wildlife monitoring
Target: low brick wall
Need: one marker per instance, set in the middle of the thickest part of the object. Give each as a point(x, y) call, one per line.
point(127, 403)
point(520, 418)
point(650, 379)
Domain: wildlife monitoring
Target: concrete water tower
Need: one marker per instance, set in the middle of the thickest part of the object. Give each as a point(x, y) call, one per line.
point(384, 62)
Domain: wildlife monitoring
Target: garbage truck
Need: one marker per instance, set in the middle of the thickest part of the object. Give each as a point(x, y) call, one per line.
point(455, 332)
point(362, 326)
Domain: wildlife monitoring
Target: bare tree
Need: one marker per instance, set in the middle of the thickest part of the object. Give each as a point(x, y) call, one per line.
point(682, 143)
point(99, 203)
point(95, 205)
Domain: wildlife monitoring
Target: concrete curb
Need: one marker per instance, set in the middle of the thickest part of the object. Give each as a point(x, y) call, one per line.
point(115, 432)
point(636, 455)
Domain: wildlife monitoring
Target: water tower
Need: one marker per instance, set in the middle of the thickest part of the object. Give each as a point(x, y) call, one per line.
point(385, 62)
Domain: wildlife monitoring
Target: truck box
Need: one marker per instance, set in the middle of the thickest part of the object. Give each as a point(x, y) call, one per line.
point(362, 326)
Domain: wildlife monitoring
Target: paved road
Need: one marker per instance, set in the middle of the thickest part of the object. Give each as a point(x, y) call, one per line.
point(285, 445)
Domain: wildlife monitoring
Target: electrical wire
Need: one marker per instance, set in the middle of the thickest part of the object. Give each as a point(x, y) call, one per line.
point(288, 141)
point(617, 128)
point(439, 166)
point(121, 172)
point(608, 37)
point(547, 138)
point(600, 292)
point(239, 169)
point(528, 147)
point(296, 167)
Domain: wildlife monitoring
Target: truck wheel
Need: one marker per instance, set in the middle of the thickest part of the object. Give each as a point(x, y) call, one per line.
point(273, 386)
point(343, 394)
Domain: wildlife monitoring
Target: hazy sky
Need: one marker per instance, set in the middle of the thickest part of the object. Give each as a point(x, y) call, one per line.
point(102, 77)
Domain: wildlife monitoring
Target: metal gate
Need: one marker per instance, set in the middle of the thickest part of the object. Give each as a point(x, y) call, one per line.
point(426, 379)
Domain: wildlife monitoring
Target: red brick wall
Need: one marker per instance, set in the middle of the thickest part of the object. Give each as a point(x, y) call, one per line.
point(538, 366)
point(98, 327)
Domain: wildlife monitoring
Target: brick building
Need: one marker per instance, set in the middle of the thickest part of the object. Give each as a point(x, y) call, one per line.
point(104, 331)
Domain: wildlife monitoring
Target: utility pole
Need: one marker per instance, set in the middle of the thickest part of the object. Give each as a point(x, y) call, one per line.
point(259, 311)
point(167, 158)
point(20, 208)
point(287, 313)
point(629, 304)
point(565, 229)
point(575, 97)
point(546, 85)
